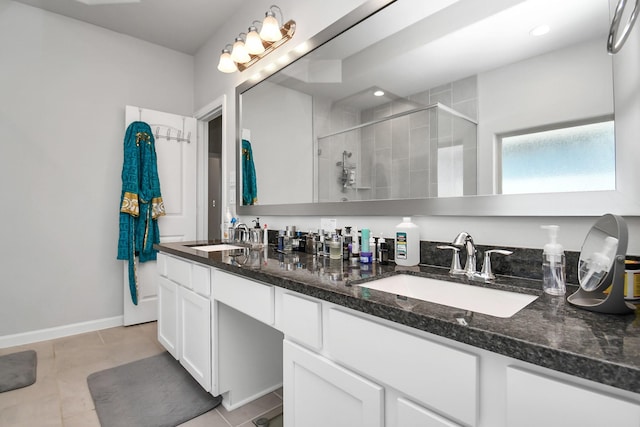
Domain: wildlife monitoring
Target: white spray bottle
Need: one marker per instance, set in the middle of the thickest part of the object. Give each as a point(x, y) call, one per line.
point(553, 264)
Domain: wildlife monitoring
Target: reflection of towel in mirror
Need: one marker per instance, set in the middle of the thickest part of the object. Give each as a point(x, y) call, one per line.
point(249, 185)
point(141, 202)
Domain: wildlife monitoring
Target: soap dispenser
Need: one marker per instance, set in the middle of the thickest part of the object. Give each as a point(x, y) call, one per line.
point(553, 264)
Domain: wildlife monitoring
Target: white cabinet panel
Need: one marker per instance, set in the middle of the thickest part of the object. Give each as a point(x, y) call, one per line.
point(441, 377)
point(247, 296)
point(410, 414)
point(195, 336)
point(161, 264)
point(201, 279)
point(179, 271)
point(320, 393)
point(168, 315)
point(302, 320)
point(534, 400)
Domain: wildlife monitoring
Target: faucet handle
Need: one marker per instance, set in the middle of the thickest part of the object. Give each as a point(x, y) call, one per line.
point(456, 268)
point(486, 274)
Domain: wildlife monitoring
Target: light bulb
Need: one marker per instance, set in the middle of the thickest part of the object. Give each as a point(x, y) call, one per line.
point(239, 52)
point(226, 64)
point(254, 42)
point(270, 28)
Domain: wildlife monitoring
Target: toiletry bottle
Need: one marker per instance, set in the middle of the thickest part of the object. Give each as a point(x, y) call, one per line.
point(346, 244)
point(384, 251)
point(280, 240)
point(355, 243)
point(288, 244)
point(226, 225)
point(365, 252)
point(320, 243)
point(597, 265)
point(335, 247)
point(407, 243)
point(365, 240)
point(553, 264)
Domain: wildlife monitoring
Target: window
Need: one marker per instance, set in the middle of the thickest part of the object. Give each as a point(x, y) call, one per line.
point(573, 158)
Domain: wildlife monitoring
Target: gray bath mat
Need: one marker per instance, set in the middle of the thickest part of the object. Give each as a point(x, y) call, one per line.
point(153, 392)
point(18, 370)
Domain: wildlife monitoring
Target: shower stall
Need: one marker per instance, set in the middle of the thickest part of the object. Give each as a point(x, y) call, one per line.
point(429, 151)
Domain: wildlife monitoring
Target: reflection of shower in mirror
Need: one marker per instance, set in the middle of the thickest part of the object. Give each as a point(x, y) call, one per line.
point(348, 174)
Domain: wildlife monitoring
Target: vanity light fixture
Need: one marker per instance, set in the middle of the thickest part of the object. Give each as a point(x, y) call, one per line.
point(239, 52)
point(256, 44)
point(253, 42)
point(270, 27)
point(226, 64)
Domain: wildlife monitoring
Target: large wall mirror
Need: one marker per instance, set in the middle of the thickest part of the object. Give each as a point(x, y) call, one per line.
point(446, 107)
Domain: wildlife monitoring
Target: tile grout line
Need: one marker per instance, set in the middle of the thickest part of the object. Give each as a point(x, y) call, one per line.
point(222, 416)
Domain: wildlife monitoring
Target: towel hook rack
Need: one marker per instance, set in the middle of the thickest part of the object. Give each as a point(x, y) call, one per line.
point(615, 43)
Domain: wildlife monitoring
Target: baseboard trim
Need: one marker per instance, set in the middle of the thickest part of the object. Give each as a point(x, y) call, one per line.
point(60, 331)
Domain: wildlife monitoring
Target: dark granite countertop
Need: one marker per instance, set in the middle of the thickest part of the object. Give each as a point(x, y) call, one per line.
point(549, 332)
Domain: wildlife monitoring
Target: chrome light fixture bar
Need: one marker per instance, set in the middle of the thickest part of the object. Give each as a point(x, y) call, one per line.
point(256, 44)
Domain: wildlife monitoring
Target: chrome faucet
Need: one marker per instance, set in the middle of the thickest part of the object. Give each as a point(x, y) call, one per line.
point(240, 232)
point(464, 240)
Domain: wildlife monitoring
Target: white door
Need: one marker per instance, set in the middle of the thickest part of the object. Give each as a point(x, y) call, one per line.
point(177, 172)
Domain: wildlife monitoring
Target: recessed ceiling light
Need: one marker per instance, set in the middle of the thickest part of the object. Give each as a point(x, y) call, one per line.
point(540, 30)
point(378, 93)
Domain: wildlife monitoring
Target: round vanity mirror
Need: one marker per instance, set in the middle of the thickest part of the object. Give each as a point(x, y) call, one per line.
point(601, 268)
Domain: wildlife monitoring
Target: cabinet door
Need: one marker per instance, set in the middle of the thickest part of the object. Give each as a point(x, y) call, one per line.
point(195, 336)
point(534, 400)
point(409, 414)
point(168, 315)
point(320, 393)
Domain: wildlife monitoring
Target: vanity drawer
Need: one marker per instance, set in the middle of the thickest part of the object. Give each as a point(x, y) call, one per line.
point(252, 298)
point(179, 271)
point(189, 275)
point(440, 377)
point(201, 279)
point(302, 320)
point(161, 264)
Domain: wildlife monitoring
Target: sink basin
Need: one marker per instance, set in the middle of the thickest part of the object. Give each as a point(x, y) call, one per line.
point(218, 247)
point(493, 302)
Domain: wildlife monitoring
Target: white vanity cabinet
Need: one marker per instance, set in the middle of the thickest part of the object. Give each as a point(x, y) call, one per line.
point(537, 400)
point(320, 393)
point(243, 338)
point(195, 333)
point(168, 315)
point(184, 314)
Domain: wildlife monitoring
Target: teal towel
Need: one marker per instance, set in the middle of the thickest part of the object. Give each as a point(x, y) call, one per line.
point(249, 185)
point(141, 202)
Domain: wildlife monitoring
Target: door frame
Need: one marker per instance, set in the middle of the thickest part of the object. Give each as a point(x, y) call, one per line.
point(218, 107)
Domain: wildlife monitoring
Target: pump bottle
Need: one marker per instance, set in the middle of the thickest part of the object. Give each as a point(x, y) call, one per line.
point(553, 264)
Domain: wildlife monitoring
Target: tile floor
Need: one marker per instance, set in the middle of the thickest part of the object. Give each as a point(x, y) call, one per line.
point(60, 396)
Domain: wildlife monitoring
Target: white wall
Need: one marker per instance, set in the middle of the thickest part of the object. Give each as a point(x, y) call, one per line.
point(281, 154)
point(557, 96)
point(63, 86)
point(312, 16)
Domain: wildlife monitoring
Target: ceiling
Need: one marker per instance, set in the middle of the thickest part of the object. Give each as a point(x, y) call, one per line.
point(183, 25)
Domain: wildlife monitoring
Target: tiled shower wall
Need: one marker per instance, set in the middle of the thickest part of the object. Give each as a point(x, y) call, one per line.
point(413, 149)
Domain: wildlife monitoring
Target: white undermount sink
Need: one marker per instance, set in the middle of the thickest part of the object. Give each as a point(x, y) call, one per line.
point(493, 302)
point(218, 247)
